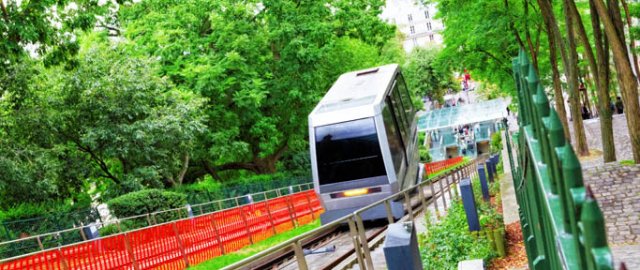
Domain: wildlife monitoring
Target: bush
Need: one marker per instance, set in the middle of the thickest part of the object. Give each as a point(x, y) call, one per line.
point(496, 142)
point(425, 157)
point(211, 190)
point(421, 137)
point(448, 242)
point(30, 219)
point(125, 225)
point(148, 201)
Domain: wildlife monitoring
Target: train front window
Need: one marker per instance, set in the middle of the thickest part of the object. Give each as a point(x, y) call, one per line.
point(348, 151)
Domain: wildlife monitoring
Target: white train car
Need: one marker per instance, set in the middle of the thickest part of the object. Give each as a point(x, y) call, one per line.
point(363, 142)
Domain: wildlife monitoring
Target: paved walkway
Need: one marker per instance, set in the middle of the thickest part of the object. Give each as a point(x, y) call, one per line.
point(594, 139)
point(616, 188)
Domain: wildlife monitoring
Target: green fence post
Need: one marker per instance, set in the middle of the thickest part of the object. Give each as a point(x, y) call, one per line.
point(595, 237)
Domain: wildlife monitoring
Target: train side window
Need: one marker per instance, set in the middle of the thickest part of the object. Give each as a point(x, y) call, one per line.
point(410, 111)
point(348, 151)
point(393, 137)
point(398, 113)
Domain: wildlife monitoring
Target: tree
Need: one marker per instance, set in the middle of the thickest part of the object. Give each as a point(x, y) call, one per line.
point(487, 46)
point(111, 120)
point(572, 72)
point(426, 74)
point(614, 30)
point(599, 66)
point(254, 60)
point(49, 27)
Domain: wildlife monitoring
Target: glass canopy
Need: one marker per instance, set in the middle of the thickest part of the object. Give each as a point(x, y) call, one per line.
point(461, 115)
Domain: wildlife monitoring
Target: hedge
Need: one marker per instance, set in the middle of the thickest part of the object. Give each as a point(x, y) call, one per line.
point(148, 201)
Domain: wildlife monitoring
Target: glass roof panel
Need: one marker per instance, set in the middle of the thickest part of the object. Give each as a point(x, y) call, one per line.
point(461, 115)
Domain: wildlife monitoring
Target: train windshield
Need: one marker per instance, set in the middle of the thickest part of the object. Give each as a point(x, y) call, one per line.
point(348, 151)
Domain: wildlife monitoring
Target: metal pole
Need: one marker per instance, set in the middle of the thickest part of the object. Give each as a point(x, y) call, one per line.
point(302, 261)
point(407, 201)
point(273, 226)
point(353, 232)
point(387, 206)
point(444, 200)
point(180, 244)
point(435, 198)
point(129, 248)
point(364, 242)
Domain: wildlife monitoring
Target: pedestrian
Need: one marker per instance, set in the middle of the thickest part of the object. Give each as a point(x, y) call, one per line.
point(585, 112)
point(508, 111)
point(619, 105)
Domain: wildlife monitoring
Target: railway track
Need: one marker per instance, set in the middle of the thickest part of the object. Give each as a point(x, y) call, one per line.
point(334, 248)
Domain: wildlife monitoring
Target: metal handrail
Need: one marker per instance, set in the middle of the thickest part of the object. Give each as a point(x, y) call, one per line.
point(299, 187)
point(356, 225)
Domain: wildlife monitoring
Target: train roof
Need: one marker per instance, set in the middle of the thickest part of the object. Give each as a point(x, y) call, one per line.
point(354, 95)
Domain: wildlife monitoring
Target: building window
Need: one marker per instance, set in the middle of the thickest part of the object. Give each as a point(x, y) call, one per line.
point(431, 37)
point(429, 26)
point(410, 17)
point(412, 29)
point(426, 14)
point(415, 42)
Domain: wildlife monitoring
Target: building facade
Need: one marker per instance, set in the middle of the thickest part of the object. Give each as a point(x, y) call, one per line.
point(415, 21)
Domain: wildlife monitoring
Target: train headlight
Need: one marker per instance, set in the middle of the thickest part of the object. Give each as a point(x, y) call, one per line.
point(356, 192)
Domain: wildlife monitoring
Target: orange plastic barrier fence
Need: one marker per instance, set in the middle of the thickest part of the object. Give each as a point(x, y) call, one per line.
point(438, 166)
point(181, 243)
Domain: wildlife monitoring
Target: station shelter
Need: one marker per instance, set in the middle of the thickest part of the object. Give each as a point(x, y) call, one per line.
point(462, 130)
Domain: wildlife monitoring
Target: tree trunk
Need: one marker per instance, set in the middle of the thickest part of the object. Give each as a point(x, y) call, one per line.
point(604, 100)
point(627, 81)
point(572, 81)
point(632, 42)
point(557, 89)
point(600, 71)
point(555, 42)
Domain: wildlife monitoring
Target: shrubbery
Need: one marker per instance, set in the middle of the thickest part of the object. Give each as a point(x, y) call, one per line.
point(148, 201)
point(210, 190)
point(425, 157)
point(30, 219)
point(449, 241)
point(496, 142)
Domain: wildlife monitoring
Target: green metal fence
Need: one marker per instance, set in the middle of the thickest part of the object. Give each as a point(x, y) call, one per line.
point(562, 224)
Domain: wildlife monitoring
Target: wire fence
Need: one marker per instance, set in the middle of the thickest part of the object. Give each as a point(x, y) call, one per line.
point(97, 227)
point(180, 243)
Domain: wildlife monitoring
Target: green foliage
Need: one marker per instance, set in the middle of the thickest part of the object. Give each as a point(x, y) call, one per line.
point(423, 151)
point(162, 93)
point(449, 241)
point(428, 75)
point(627, 162)
point(28, 219)
point(210, 190)
point(496, 142)
point(480, 36)
point(252, 60)
point(111, 120)
point(125, 225)
point(148, 201)
point(34, 22)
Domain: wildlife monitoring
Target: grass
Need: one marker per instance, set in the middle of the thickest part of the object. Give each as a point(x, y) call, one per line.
point(627, 162)
point(228, 259)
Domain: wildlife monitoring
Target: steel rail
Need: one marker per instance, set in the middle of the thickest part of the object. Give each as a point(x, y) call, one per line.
point(356, 225)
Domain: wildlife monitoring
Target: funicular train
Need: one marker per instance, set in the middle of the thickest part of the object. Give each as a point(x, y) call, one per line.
point(363, 142)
